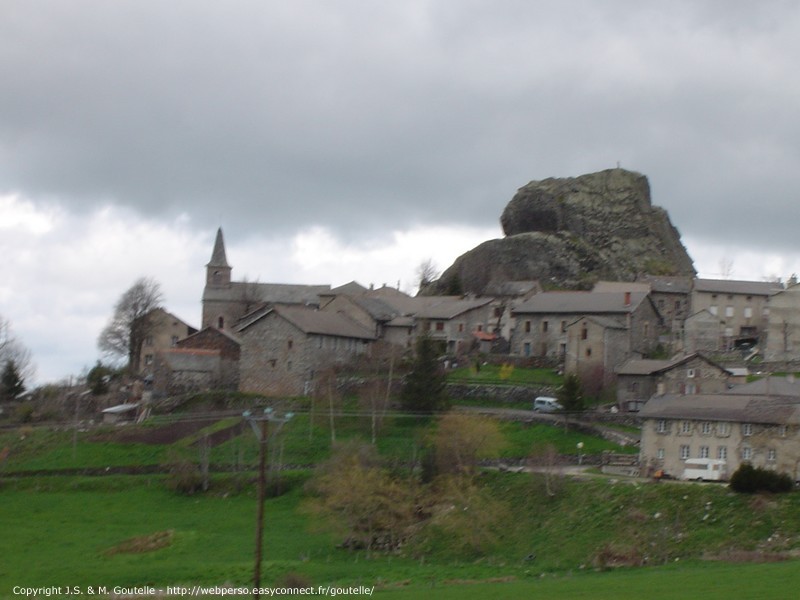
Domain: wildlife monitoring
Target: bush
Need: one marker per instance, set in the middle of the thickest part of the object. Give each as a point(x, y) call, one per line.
point(749, 480)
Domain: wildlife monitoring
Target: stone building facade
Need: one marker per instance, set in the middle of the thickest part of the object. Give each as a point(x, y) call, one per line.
point(783, 326)
point(640, 379)
point(165, 330)
point(285, 348)
point(761, 430)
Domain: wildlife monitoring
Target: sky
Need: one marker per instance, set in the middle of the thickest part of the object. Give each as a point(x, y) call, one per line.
point(339, 140)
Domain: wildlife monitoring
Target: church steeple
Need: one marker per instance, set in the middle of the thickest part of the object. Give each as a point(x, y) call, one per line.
point(218, 271)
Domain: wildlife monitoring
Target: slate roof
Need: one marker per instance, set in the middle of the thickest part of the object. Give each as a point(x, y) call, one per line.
point(769, 386)
point(652, 367)
point(731, 286)
point(724, 407)
point(312, 321)
point(279, 293)
point(580, 303)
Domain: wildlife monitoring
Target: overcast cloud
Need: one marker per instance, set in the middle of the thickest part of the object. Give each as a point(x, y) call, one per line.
point(337, 140)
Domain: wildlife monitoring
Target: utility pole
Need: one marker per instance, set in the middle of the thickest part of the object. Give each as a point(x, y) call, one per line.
point(260, 425)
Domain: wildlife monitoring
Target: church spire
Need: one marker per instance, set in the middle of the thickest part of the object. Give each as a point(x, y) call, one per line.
point(218, 271)
point(218, 258)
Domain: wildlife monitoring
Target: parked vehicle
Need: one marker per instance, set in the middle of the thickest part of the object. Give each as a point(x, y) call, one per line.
point(546, 404)
point(705, 469)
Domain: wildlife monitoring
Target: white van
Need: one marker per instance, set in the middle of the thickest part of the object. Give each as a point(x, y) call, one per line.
point(705, 469)
point(546, 404)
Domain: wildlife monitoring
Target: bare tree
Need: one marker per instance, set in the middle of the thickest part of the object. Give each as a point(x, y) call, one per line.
point(426, 273)
point(12, 350)
point(125, 333)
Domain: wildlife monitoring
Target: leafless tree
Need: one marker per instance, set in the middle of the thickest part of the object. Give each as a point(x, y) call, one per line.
point(426, 273)
point(125, 333)
point(11, 349)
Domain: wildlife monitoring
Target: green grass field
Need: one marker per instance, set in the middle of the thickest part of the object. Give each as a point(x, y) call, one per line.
point(71, 531)
point(579, 542)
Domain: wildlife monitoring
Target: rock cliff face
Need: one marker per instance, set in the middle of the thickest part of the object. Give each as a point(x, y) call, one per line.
point(572, 232)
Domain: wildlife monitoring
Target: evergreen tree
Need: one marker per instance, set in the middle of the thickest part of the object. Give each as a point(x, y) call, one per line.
point(424, 390)
point(570, 396)
point(11, 381)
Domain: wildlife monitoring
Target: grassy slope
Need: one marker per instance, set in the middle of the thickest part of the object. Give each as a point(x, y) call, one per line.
point(57, 530)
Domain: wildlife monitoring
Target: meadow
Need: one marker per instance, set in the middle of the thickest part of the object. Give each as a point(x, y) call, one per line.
point(587, 537)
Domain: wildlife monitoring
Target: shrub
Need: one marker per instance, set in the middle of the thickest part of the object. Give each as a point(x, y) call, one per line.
point(749, 480)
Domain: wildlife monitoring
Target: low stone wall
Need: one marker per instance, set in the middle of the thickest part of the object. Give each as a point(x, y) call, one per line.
point(522, 395)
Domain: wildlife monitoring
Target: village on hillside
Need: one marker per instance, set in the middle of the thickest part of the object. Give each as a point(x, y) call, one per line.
point(674, 351)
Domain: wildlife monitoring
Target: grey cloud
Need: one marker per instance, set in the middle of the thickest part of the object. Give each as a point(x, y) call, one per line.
point(366, 116)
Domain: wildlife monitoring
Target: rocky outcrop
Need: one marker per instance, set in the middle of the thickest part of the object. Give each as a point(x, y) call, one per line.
point(571, 232)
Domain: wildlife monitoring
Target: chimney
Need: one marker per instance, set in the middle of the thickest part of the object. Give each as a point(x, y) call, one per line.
point(627, 298)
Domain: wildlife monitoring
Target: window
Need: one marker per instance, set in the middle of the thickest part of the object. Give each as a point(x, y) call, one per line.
point(747, 453)
point(221, 323)
point(747, 429)
point(646, 328)
point(544, 326)
point(686, 427)
point(584, 332)
point(713, 309)
point(706, 428)
point(690, 373)
point(728, 311)
point(148, 341)
point(660, 454)
point(526, 348)
point(148, 359)
point(782, 430)
point(677, 304)
point(772, 455)
point(723, 429)
point(527, 326)
point(703, 451)
point(588, 353)
point(439, 325)
point(289, 344)
point(563, 326)
point(460, 327)
point(684, 452)
point(722, 452)
point(174, 340)
point(661, 426)
point(748, 312)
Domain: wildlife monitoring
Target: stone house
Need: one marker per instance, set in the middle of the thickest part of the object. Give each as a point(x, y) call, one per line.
point(183, 370)
point(640, 379)
point(541, 323)
point(762, 430)
point(743, 307)
point(453, 321)
point(672, 297)
point(595, 345)
point(165, 330)
point(285, 348)
point(703, 332)
point(783, 326)
point(226, 301)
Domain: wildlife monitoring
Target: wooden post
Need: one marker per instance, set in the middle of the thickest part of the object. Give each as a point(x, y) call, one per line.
point(262, 485)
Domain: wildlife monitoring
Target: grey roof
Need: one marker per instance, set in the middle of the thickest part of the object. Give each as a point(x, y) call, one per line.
point(769, 386)
point(350, 288)
point(312, 321)
point(652, 367)
point(278, 293)
point(218, 258)
point(667, 285)
point(580, 303)
point(724, 407)
point(212, 331)
point(731, 286)
point(621, 286)
point(446, 307)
